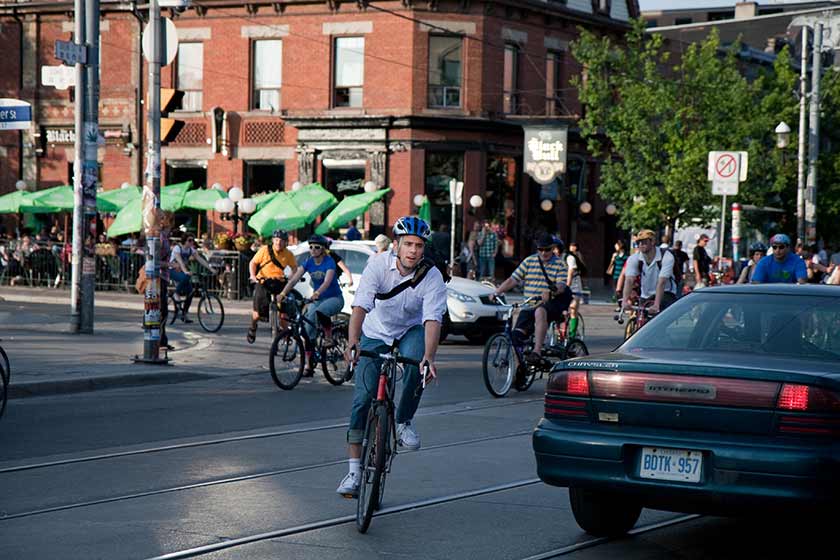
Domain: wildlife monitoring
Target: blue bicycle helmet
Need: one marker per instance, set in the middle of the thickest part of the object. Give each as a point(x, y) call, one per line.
point(412, 225)
point(758, 247)
point(319, 240)
point(280, 234)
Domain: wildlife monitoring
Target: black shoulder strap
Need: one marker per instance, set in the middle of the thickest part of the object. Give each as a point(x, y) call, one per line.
point(419, 274)
point(552, 286)
point(273, 258)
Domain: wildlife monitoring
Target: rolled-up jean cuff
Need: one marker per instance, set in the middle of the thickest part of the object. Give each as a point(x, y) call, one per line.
point(355, 436)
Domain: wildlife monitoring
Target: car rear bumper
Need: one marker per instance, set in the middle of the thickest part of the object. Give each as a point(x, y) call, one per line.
point(736, 474)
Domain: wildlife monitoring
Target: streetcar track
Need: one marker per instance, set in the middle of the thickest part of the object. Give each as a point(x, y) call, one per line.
point(235, 479)
point(219, 441)
point(562, 551)
point(343, 520)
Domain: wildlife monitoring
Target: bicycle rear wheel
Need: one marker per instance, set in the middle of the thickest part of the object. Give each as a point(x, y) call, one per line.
point(6, 365)
point(332, 359)
point(374, 457)
point(576, 349)
point(286, 360)
point(211, 313)
point(498, 365)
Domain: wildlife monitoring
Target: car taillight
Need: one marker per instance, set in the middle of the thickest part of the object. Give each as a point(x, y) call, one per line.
point(567, 395)
point(814, 411)
point(571, 382)
point(805, 398)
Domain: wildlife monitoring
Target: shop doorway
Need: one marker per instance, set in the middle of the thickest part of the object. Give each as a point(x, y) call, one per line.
point(187, 220)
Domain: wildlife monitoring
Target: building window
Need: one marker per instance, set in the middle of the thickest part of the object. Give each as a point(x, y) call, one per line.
point(554, 84)
point(264, 176)
point(601, 7)
point(444, 71)
point(190, 77)
point(442, 167)
point(718, 16)
point(349, 71)
point(651, 23)
point(682, 21)
point(510, 102)
point(500, 198)
point(267, 72)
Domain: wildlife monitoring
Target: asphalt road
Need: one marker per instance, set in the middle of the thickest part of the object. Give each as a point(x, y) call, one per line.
point(232, 467)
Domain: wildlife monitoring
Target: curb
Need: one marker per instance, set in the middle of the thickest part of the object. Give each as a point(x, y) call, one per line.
point(87, 384)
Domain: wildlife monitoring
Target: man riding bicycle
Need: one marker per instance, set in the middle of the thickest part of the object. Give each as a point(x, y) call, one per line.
point(180, 273)
point(267, 270)
point(327, 299)
point(781, 267)
point(401, 300)
point(543, 275)
point(656, 268)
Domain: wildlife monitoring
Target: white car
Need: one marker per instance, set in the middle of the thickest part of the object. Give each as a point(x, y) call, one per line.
point(471, 312)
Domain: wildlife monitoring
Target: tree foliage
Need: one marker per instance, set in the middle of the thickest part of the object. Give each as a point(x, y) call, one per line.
point(654, 120)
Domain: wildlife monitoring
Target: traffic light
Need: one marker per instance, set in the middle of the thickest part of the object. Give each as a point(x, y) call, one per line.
point(170, 99)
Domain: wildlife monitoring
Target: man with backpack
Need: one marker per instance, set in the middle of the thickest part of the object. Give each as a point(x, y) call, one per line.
point(267, 271)
point(655, 268)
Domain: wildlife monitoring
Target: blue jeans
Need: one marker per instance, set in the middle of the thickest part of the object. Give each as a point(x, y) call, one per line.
point(486, 267)
point(326, 307)
point(182, 282)
point(412, 345)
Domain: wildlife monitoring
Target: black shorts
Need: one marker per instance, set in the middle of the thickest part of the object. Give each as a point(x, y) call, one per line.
point(555, 307)
point(262, 292)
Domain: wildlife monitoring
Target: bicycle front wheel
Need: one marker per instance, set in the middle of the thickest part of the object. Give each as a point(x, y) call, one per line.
point(374, 457)
point(286, 360)
point(332, 359)
point(498, 365)
point(6, 365)
point(3, 388)
point(630, 328)
point(211, 313)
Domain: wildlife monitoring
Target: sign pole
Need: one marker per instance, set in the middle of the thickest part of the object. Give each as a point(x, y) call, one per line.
point(800, 170)
point(78, 153)
point(722, 224)
point(736, 231)
point(813, 139)
point(151, 201)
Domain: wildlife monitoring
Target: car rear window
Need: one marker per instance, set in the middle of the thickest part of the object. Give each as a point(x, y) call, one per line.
point(791, 326)
point(355, 260)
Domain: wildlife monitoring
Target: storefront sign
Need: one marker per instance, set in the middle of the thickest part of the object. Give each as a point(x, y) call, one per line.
point(61, 136)
point(545, 152)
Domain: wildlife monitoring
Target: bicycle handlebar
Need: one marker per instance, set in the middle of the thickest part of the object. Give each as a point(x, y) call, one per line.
point(351, 368)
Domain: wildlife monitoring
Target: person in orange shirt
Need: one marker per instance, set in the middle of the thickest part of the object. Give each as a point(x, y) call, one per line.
point(267, 271)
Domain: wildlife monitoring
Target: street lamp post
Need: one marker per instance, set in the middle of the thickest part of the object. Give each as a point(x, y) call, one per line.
point(235, 208)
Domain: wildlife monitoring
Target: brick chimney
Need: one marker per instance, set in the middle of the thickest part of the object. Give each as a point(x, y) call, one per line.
point(746, 10)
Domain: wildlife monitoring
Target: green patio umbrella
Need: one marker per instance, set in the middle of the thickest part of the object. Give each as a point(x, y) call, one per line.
point(349, 208)
point(425, 211)
point(264, 198)
point(115, 200)
point(55, 199)
point(10, 203)
point(280, 213)
point(203, 199)
point(312, 200)
point(130, 219)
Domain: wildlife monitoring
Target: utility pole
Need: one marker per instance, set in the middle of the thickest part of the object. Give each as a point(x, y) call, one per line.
point(813, 138)
point(151, 200)
point(76, 260)
point(800, 174)
point(90, 168)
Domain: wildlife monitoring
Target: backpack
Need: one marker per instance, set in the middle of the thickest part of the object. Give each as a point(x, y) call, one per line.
point(581, 266)
point(420, 273)
point(433, 256)
point(337, 259)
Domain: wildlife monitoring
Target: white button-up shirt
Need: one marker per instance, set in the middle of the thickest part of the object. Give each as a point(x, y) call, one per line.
point(662, 266)
point(390, 319)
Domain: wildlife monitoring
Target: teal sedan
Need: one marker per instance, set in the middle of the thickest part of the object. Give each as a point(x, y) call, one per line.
point(727, 403)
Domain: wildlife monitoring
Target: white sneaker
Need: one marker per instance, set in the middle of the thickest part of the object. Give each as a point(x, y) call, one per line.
point(408, 437)
point(349, 486)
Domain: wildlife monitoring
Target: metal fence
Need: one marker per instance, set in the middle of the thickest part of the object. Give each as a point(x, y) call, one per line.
point(117, 270)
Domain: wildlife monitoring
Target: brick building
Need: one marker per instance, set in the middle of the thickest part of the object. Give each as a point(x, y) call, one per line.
point(407, 95)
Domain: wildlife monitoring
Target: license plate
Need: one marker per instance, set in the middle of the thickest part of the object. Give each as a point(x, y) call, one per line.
point(684, 465)
point(502, 315)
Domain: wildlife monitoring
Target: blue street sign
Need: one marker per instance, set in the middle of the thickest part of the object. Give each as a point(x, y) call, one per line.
point(15, 114)
point(70, 53)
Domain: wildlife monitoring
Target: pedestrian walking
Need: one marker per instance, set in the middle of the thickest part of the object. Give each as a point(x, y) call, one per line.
point(488, 248)
point(616, 265)
point(702, 262)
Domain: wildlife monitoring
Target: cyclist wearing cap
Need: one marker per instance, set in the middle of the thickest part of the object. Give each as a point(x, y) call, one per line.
point(327, 299)
point(385, 315)
point(782, 267)
point(656, 269)
point(267, 270)
point(180, 257)
point(543, 275)
point(757, 252)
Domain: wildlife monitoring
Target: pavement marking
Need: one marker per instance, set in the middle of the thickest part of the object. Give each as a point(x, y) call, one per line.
point(206, 549)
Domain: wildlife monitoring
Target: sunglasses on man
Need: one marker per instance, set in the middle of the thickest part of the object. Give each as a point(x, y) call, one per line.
point(779, 247)
point(316, 247)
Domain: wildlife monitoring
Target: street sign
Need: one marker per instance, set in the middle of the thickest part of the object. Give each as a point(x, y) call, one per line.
point(724, 188)
point(456, 191)
point(70, 53)
point(60, 77)
point(728, 167)
point(169, 42)
point(15, 114)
